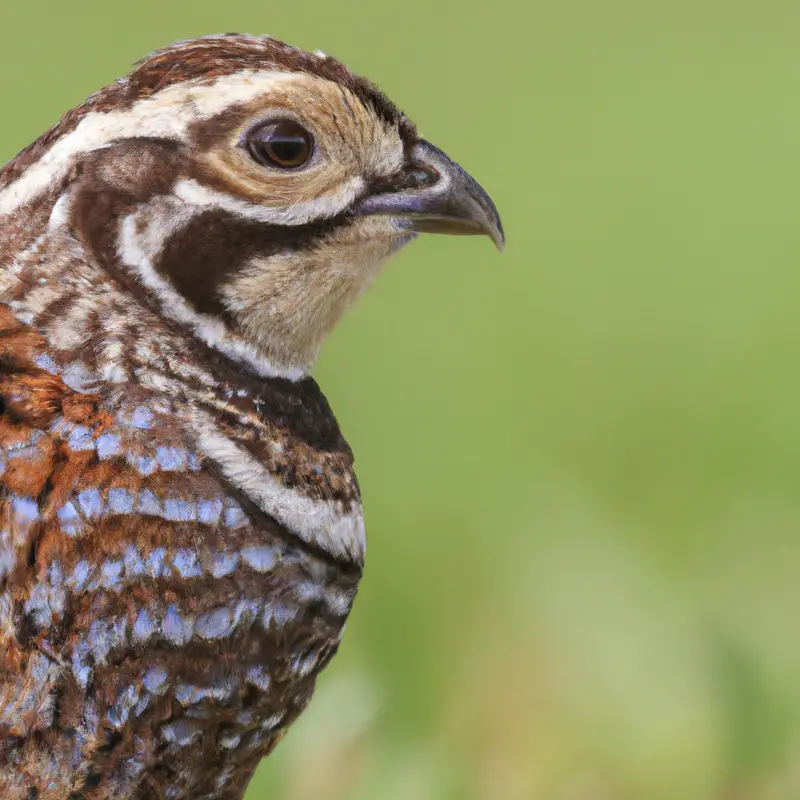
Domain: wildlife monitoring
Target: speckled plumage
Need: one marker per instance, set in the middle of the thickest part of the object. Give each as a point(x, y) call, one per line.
point(181, 534)
point(123, 556)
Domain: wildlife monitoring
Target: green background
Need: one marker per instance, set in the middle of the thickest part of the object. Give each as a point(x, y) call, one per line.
point(579, 459)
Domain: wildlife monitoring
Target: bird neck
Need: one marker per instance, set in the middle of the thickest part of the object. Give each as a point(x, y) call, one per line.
point(103, 337)
point(102, 326)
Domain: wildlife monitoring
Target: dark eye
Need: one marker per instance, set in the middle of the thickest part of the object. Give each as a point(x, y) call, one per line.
point(284, 144)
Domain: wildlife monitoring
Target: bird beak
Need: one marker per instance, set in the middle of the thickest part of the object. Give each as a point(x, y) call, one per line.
point(435, 195)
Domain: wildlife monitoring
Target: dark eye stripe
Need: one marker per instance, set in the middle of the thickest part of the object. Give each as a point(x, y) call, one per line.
point(212, 247)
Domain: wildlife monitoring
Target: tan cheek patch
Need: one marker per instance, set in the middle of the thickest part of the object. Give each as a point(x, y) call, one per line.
point(290, 303)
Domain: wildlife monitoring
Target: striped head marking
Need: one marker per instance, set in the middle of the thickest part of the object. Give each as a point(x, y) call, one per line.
point(248, 190)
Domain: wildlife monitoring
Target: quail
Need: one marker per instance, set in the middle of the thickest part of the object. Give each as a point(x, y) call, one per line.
point(181, 533)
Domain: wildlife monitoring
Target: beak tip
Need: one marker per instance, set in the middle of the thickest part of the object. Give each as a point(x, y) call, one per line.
point(499, 238)
point(492, 227)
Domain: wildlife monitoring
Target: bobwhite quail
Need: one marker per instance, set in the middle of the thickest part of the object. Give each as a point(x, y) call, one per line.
point(181, 534)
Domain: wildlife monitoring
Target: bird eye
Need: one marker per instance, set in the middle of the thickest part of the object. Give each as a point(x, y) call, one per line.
point(284, 144)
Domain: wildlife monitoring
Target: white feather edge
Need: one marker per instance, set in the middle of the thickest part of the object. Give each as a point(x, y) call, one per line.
point(322, 523)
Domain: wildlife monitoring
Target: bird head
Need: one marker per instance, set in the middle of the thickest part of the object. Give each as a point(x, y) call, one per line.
point(248, 189)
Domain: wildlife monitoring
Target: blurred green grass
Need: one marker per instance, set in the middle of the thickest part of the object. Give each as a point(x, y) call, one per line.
point(580, 460)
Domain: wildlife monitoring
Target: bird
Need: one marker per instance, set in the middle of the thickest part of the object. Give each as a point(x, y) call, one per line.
point(181, 528)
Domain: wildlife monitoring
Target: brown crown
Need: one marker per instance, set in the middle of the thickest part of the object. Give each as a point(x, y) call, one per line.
point(202, 60)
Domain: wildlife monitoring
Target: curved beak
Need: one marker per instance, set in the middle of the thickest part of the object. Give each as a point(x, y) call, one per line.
point(436, 196)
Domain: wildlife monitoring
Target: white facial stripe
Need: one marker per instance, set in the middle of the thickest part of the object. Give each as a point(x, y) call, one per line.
point(137, 247)
point(166, 114)
point(322, 523)
point(193, 193)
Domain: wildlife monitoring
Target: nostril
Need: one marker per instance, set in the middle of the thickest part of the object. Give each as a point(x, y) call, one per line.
point(422, 176)
point(415, 176)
